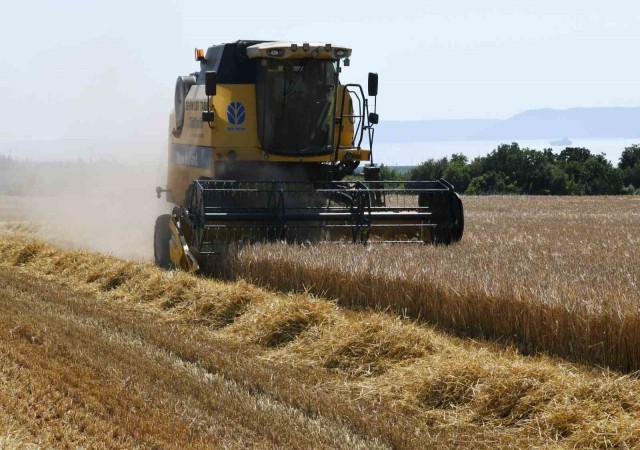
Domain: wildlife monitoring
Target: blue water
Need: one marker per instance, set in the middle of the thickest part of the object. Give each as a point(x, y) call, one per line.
point(414, 153)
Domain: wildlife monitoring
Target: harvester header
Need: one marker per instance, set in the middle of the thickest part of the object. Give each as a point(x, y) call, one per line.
point(264, 144)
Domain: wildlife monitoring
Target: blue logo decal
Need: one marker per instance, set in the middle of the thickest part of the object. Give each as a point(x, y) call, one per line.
point(236, 113)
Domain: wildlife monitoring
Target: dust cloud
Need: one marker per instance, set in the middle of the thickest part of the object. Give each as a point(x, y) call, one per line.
point(99, 206)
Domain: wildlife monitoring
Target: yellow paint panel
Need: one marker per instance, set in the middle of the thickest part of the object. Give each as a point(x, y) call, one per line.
point(243, 134)
point(221, 132)
point(346, 138)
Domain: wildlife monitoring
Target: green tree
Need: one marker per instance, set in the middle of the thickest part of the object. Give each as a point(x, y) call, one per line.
point(630, 157)
point(389, 174)
point(457, 172)
point(526, 171)
point(489, 183)
point(590, 174)
point(511, 169)
point(574, 154)
point(429, 170)
point(629, 166)
point(535, 175)
point(507, 159)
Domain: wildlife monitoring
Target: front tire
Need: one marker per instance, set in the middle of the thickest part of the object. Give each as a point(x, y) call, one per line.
point(161, 239)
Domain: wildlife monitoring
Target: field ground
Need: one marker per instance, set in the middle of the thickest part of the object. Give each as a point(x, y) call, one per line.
point(77, 373)
point(100, 352)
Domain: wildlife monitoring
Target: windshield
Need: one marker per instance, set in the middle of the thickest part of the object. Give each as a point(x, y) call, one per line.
point(295, 105)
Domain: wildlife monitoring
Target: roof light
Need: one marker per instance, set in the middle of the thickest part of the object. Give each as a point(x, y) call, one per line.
point(294, 47)
point(327, 47)
point(340, 53)
point(199, 54)
point(305, 46)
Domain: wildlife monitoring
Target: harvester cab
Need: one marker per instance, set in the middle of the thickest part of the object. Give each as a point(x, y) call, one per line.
point(264, 141)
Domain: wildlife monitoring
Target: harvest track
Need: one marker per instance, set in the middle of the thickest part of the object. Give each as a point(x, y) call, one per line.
point(100, 352)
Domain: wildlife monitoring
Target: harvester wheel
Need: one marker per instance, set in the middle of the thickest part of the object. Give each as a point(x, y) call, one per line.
point(161, 238)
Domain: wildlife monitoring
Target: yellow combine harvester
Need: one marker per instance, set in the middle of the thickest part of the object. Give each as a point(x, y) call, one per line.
point(262, 142)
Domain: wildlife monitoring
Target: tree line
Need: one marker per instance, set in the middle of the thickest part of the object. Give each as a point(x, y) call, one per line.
point(510, 169)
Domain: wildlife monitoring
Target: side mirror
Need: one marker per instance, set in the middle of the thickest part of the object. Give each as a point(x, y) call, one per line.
point(210, 83)
point(373, 84)
point(373, 118)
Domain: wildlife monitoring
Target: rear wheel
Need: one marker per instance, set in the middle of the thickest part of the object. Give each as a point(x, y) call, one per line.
point(161, 239)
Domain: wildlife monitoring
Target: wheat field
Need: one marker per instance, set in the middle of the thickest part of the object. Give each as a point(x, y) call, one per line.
point(553, 274)
point(101, 352)
point(106, 353)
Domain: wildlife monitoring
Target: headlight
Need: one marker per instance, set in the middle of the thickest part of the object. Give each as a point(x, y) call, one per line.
point(276, 53)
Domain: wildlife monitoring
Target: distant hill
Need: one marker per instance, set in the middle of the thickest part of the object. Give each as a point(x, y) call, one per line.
point(572, 123)
point(533, 124)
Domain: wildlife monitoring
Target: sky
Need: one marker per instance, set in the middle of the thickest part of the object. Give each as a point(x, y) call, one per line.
point(106, 69)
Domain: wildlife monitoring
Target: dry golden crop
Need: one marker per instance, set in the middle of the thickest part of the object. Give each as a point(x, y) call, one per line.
point(101, 352)
point(554, 274)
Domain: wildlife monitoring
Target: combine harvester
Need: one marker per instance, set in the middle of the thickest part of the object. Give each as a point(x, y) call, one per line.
point(262, 142)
